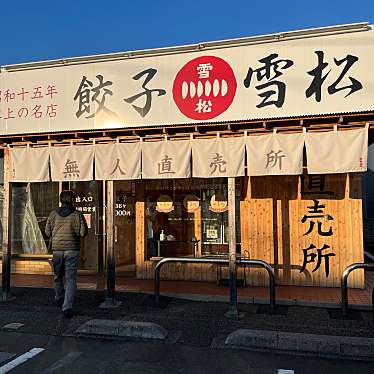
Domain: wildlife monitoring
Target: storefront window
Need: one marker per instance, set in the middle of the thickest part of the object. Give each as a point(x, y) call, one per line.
point(215, 219)
point(187, 217)
point(31, 205)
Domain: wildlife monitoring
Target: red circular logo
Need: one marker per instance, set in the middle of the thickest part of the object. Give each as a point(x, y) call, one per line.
point(204, 88)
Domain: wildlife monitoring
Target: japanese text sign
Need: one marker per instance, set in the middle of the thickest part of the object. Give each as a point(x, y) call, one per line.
point(296, 77)
point(118, 161)
point(166, 159)
point(275, 154)
point(73, 163)
point(218, 157)
point(319, 223)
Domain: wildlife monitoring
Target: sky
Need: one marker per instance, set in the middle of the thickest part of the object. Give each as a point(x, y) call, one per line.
point(44, 30)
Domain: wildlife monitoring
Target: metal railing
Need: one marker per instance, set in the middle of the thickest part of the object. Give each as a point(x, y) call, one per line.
point(271, 274)
point(344, 284)
point(246, 262)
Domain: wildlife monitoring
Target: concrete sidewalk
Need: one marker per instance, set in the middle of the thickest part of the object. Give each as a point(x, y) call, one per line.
point(197, 323)
point(286, 295)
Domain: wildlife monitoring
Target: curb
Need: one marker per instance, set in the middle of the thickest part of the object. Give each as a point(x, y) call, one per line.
point(258, 300)
point(321, 345)
point(123, 329)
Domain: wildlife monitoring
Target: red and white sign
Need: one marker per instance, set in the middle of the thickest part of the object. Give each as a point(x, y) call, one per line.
point(204, 88)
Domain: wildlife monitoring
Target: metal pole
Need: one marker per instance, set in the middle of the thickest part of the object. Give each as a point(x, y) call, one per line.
point(233, 308)
point(181, 260)
point(271, 274)
point(344, 284)
point(372, 301)
point(110, 301)
point(6, 266)
point(344, 290)
point(111, 270)
point(272, 290)
point(217, 261)
point(111, 274)
point(7, 233)
point(157, 284)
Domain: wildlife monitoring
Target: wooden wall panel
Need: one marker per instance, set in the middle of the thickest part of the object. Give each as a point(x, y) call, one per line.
point(256, 225)
point(272, 228)
point(355, 196)
point(271, 212)
point(175, 271)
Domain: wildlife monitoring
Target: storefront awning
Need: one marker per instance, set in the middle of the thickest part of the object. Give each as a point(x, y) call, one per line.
point(220, 157)
point(29, 164)
point(274, 154)
point(166, 159)
point(118, 161)
point(73, 163)
point(337, 151)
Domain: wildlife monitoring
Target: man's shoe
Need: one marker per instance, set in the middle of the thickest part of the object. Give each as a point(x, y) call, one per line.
point(60, 302)
point(68, 313)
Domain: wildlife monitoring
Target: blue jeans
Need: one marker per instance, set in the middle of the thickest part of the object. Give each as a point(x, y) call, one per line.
point(65, 263)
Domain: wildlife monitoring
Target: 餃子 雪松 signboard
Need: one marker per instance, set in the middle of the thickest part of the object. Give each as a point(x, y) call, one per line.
point(298, 76)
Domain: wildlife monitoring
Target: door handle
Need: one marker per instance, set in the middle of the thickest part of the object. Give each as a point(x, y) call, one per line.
point(100, 220)
point(115, 234)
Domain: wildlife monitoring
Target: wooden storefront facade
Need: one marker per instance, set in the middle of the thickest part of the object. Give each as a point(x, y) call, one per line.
point(270, 217)
point(308, 225)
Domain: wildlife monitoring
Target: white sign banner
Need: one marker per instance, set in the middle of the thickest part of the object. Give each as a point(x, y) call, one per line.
point(311, 75)
point(22, 170)
point(118, 161)
point(166, 159)
point(218, 157)
point(275, 154)
point(72, 163)
point(337, 151)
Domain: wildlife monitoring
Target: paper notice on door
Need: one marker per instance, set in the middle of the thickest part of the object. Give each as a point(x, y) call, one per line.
point(87, 217)
point(212, 234)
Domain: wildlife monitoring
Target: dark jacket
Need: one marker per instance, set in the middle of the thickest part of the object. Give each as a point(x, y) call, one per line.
point(65, 226)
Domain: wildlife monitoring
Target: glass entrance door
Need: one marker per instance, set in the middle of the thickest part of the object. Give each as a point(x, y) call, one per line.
point(124, 227)
point(89, 201)
point(214, 203)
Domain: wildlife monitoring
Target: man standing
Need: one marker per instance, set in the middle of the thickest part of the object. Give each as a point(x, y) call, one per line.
point(65, 226)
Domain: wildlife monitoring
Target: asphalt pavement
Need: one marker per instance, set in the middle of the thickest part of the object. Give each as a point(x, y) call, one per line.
point(81, 356)
point(197, 332)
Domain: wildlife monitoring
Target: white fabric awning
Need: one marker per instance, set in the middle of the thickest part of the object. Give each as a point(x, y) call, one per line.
point(337, 151)
point(29, 164)
point(166, 159)
point(118, 161)
point(219, 157)
point(72, 163)
point(275, 154)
